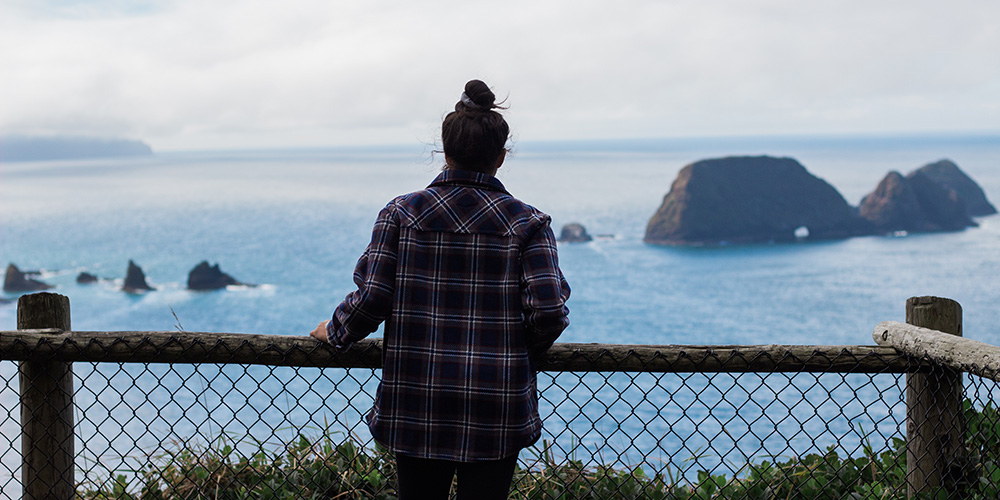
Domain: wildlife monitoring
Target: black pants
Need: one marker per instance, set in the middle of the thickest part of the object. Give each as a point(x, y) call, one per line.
point(427, 479)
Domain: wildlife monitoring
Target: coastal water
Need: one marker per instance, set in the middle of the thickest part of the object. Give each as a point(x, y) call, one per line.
point(294, 222)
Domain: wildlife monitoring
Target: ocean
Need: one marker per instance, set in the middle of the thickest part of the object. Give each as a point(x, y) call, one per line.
point(295, 221)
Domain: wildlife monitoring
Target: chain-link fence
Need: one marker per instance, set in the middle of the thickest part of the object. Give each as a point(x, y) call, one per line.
point(186, 415)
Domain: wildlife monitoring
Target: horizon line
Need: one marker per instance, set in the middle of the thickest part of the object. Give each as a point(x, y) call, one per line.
point(616, 144)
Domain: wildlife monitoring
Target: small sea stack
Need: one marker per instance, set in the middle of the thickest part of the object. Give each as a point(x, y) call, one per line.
point(18, 281)
point(135, 280)
point(86, 278)
point(574, 232)
point(210, 277)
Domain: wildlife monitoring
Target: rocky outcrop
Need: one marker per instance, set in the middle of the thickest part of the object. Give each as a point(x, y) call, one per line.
point(915, 203)
point(206, 277)
point(748, 199)
point(947, 174)
point(574, 232)
point(135, 279)
point(892, 204)
point(18, 281)
point(86, 278)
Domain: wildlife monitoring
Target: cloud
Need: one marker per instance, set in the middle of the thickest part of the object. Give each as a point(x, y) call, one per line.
point(188, 74)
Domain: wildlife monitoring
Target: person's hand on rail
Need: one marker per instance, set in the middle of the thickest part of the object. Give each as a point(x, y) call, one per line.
point(320, 332)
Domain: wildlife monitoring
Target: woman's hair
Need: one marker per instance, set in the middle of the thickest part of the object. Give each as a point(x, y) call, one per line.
point(474, 136)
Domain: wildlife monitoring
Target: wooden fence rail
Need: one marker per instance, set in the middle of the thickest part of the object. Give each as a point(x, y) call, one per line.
point(284, 350)
point(928, 348)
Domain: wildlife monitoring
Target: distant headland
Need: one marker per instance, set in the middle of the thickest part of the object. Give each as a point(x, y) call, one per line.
point(751, 199)
point(38, 148)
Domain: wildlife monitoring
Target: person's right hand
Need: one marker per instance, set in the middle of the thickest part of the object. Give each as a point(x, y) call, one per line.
point(320, 332)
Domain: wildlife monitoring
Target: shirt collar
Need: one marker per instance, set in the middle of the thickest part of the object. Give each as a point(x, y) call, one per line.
point(468, 178)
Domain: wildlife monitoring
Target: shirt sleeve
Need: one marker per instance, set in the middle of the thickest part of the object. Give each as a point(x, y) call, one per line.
point(544, 291)
point(370, 304)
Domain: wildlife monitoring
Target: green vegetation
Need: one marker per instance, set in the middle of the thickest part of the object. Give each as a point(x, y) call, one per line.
point(328, 468)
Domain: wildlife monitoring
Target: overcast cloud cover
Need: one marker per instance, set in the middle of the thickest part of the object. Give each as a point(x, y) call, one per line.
point(196, 74)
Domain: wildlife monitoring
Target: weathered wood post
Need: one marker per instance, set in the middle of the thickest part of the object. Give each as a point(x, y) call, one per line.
point(934, 420)
point(46, 406)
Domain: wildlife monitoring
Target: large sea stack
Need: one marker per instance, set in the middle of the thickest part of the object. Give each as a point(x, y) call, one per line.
point(746, 199)
point(135, 279)
point(935, 197)
point(18, 281)
point(206, 277)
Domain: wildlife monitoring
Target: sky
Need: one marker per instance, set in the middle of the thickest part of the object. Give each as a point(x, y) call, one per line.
point(222, 74)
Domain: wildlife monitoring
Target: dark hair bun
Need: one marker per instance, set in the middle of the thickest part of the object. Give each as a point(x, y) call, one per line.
point(477, 96)
point(474, 134)
point(480, 93)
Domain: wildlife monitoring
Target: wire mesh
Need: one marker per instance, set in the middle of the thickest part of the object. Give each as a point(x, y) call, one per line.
point(684, 430)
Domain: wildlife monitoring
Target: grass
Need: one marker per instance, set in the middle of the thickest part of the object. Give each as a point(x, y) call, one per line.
point(331, 466)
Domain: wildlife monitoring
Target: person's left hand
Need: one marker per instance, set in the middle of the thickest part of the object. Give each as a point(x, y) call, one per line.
point(320, 332)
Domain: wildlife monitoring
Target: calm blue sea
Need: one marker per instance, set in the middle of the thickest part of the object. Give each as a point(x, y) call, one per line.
point(295, 221)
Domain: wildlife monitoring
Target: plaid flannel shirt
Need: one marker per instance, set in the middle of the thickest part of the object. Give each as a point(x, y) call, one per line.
point(467, 279)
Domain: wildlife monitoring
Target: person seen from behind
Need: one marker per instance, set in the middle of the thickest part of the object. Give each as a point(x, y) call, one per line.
point(466, 278)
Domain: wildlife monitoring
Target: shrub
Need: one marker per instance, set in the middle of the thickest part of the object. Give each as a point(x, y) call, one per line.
point(328, 468)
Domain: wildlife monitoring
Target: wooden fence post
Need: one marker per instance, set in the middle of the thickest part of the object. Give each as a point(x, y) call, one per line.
point(47, 442)
point(934, 421)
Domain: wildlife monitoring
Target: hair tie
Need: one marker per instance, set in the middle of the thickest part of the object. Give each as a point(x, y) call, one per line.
point(466, 100)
